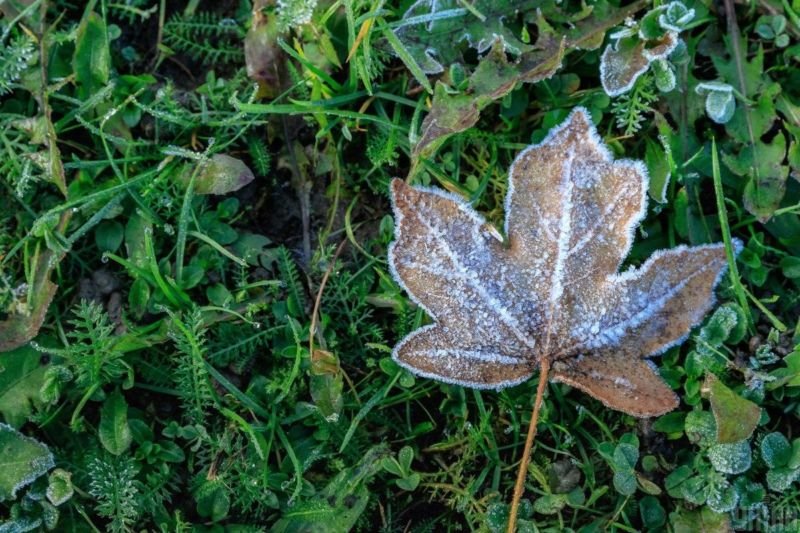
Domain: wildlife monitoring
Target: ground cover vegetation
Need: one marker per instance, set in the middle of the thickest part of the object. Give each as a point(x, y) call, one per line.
point(197, 310)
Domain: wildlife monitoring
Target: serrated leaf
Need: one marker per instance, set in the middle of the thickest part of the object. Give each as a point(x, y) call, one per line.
point(114, 431)
point(22, 460)
point(21, 376)
point(767, 185)
point(736, 417)
point(92, 59)
point(551, 290)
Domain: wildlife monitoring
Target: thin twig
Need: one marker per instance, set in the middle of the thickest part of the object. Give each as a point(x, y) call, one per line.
point(519, 487)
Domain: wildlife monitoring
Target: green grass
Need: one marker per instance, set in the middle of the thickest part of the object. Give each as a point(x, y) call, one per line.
point(173, 381)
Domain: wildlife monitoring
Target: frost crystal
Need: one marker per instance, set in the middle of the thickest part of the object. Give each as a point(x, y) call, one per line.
point(731, 458)
point(552, 290)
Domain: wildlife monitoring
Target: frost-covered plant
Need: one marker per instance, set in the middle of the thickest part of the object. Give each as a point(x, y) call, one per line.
point(432, 32)
point(294, 13)
point(14, 58)
point(720, 101)
point(640, 46)
point(631, 109)
point(113, 484)
point(783, 460)
point(709, 481)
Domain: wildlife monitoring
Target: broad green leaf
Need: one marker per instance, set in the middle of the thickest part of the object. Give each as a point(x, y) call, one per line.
point(790, 266)
point(21, 376)
point(108, 235)
point(736, 418)
point(625, 482)
point(775, 450)
point(409, 482)
point(731, 458)
point(222, 175)
point(652, 513)
point(659, 169)
point(548, 504)
point(213, 499)
point(702, 520)
point(114, 431)
point(22, 460)
point(670, 422)
point(92, 58)
point(59, 487)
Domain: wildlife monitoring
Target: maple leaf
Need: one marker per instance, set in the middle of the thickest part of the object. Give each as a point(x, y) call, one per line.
point(550, 291)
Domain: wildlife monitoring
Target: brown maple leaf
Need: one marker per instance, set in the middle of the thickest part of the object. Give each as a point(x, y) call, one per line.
point(549, 294)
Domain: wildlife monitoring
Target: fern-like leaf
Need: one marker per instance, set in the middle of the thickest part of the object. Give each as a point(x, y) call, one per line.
point(14, 59)
point(113, 484)
point(191, 376)
point(206, 37)
point(262, 161)
point(631, 109)
point(296, 299)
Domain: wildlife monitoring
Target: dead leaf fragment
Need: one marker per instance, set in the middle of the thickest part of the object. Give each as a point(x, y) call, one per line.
point(552, 290)
point(623, 62)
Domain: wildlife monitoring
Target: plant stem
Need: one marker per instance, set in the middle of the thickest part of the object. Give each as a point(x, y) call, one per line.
point(519, 487)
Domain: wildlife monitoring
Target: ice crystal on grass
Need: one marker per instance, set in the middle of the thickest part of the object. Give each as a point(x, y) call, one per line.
point(552, 289)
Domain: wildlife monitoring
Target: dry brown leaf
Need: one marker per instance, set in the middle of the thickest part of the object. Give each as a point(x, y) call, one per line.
point(551, 289)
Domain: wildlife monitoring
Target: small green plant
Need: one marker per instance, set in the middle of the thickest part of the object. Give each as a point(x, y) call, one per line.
point(783, 460)
point(720, 101)
point(205, 37)
point(407, 479)
point(773, 28)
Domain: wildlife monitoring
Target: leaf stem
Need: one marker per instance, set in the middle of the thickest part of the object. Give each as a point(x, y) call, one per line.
point(519, 487)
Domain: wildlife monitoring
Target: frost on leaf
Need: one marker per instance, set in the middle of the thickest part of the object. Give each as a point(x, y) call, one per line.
point(642, 45)
point(433, 30)
point(551, 290)
point(453, 111)
point(22, 460)
point(630, 57)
